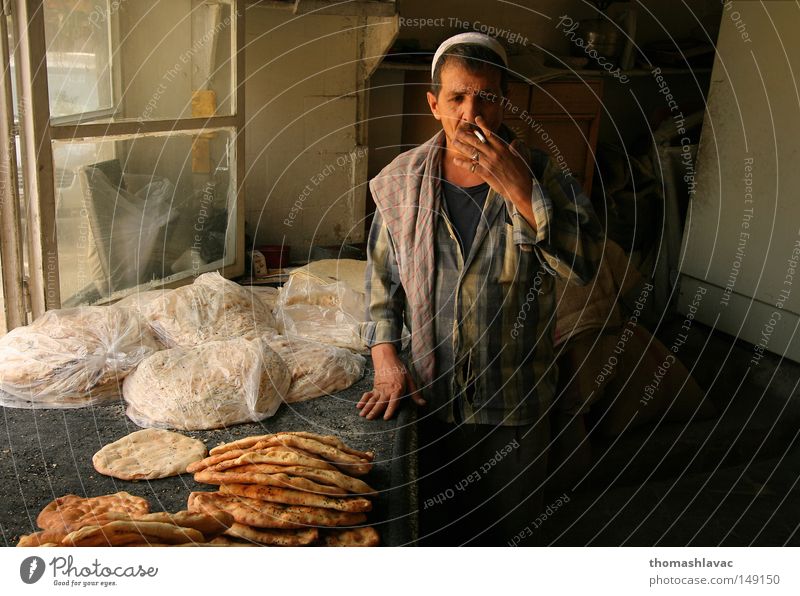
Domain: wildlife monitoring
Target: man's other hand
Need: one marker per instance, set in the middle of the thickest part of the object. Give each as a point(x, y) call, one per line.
point(392, 383)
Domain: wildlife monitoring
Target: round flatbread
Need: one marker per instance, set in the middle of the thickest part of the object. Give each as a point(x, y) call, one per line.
point(301, 537)
point(352, 537)
point(71, 512)
point(148, 454)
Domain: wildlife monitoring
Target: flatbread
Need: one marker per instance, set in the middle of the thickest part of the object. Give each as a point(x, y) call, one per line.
point(225, 541)
point(334, 442)
point(209, 525)
point(116, 533)
point(72, 357)
point(329, 479)
point(214, 385)
point(71, 512)
point(42, 538)
point(354, 537)
point(249, 442)
point(90, 536)
point(332, 478)
point(210, 309)
point(349, 271)
point(274, 537)
point(284, 456)
point(277, 478)
point(148, 454)
point(346, 462)
point(240, 444)
point(288, 496)
point(317, 369)
point(261, 514)
point(213, 460)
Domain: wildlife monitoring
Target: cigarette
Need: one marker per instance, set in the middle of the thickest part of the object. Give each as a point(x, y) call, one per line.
point(480, 136)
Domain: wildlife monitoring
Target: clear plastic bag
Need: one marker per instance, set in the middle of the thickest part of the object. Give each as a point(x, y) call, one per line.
point(127, 222)
point(328, 313)
point(268, 295)
point(139, 301)
point(72, 357)
point(317, 369)
point(212, 308)
point(213, 385)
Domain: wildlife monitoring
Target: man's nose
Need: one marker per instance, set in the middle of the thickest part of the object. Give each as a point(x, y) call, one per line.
point(471, 108)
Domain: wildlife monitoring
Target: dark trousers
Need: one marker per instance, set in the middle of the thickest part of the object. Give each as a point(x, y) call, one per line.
point(480, 485)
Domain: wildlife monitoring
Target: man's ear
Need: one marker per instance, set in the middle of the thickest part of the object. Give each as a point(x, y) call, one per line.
point(433, 102)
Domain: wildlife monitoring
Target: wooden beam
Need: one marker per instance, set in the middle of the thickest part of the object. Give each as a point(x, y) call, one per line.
point(11, 257)
point(34, 113)
point(238, 169)
point(69, 132)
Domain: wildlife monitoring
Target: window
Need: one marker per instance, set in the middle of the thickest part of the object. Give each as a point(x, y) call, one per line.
point(136, 183)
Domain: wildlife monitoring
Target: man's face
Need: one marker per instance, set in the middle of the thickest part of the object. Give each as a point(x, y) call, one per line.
point(464, 95)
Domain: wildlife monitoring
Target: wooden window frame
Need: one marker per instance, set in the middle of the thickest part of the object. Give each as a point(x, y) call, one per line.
point(37, 133)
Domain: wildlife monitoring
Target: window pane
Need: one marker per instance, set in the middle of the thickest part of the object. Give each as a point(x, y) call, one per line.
point(78, 58)
point(138, 209)
point(166, 60)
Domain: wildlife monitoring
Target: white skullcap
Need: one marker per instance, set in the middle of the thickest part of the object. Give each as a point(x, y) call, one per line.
point(471, 37)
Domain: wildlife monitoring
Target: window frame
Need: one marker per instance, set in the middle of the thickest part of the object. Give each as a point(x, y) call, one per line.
point(38, 131)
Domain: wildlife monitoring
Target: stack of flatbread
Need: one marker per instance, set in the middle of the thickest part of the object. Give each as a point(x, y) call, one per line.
point(72, 357)
point(212, 308)
point(212, 385)
point(122, 519)
point(317, 369)
point(288, 489)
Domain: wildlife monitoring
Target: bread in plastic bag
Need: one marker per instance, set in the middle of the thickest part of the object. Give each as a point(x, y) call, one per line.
point(72, 357)
point(328, 313)
point(213, 385)
point(268, 295)
point(140, 300)
point(212, 308)
point(351, 272)
point(317, 369)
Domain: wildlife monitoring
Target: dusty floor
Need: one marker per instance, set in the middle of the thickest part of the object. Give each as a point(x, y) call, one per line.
point(729, 481)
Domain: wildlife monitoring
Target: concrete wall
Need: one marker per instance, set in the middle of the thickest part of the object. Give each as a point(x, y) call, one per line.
point(306, 170)
point(537, 19)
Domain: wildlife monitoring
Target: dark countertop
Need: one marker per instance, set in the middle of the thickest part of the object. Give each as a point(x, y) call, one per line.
point(45, 454)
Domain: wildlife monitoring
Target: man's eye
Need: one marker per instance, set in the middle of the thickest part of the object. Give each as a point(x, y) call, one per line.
point(458, 98)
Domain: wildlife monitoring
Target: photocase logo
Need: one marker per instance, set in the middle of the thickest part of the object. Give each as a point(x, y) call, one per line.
point(31, 569)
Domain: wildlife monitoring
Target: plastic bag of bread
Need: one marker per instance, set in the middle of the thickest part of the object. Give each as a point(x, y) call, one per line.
point(329, 313)
point(329, 326)
point(72, 357)
point(213, 385)
point(317, 369)
point(140, 300)
point(212, 308)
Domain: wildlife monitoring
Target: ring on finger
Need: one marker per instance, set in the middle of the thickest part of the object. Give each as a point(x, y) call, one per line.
point(476, 156)
point(473, 166)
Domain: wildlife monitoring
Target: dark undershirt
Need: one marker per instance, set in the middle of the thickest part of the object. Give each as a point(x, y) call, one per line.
point(464, 207)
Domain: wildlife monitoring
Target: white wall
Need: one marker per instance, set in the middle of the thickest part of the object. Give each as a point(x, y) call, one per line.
point(744, 221)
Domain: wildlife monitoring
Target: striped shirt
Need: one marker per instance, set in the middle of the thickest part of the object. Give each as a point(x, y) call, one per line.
point(494, 308)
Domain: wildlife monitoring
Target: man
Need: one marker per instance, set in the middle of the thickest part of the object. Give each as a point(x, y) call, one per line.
point(469, 230)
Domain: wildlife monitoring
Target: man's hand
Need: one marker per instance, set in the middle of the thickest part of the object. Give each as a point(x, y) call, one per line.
point(392, 383)
point(497, 163)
